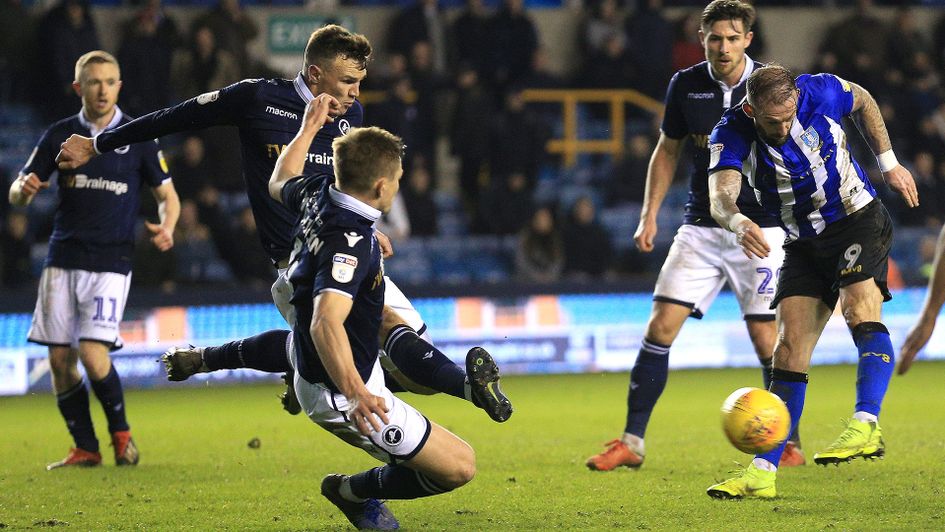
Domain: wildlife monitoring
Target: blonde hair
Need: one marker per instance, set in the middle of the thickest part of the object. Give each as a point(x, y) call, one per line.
point(93, 58)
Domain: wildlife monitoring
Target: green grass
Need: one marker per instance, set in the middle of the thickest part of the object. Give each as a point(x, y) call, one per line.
point(197, 471)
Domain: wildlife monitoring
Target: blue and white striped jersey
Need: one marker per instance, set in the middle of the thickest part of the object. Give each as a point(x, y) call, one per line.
point(812, 180)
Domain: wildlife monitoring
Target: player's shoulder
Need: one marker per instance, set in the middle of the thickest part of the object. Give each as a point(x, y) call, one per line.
point(68, 124)
point(735, 119)
point(697, 73)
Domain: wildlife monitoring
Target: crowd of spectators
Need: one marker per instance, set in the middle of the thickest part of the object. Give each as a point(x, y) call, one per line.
point(453, 81)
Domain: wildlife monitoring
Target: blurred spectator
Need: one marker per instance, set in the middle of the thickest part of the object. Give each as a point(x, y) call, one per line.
point(190, 169)
point(518, 140)
point(929, 211)
point(608, 68)
point(603, 26)
point(859, 43)
point(587, 245)
point(203, 66)
point(426, 85)
point(628, 177)
point(396, 222)
point(66, 32)
point(910, 50)
point(397, 113)
point(238, 244)
point(192, 245)
point(148, 43)
point(421, 22)
point(152, 267)
point(469, 134)
point(233, 30)
point(650, 48)
point(539, 257)
point(513, 40)
point(470, 33)
point(506, 205)
point(418, 200)
point(687, 49)
point(540, 76)
point(247, 260)
point(16, 265)
point(17, 51)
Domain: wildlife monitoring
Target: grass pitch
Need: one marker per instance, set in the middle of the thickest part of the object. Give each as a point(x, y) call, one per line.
point(198, 472)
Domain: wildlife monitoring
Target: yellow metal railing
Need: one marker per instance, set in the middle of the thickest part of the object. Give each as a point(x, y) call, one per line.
point(570, 145)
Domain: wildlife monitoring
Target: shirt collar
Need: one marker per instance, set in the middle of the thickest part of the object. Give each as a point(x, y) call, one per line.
point(93, 128)
point(353, 204)
point(302, 88)
point(749, 68)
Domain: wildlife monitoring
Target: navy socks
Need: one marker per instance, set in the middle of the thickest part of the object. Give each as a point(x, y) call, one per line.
point(264, 352)
point(109, 393)
point(74, 406)
point(647, 380)
point(424, 364)
point(393, 482)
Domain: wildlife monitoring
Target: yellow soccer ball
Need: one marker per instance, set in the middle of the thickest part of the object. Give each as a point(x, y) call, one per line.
point(755, 420)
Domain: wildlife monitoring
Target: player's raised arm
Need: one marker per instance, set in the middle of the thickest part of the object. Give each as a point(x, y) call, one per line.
point(869, 120)
point(291, 162)
point(934, 299)
point(162, 234)
point(659, 176)
point(724, 187)
point(334, 351)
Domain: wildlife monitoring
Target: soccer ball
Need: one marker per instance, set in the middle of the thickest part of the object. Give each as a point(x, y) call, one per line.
point(755, 420)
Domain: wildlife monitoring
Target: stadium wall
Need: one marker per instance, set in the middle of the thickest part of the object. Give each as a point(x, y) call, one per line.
point(792, 34)
point(528, 334)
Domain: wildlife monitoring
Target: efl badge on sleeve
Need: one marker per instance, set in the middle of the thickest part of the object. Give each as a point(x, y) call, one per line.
point(342, 267)
point(715, 152)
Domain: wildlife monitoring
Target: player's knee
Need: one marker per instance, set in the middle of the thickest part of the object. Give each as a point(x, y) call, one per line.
point(461, 469)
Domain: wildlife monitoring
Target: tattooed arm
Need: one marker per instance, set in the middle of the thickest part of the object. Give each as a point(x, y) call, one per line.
point(724, 186)
point(869, 120)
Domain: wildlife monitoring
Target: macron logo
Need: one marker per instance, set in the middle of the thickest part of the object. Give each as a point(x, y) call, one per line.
point(280, 112)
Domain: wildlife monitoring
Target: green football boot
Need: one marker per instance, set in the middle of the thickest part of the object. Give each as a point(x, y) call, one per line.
point(751, 483)
point(859, 440)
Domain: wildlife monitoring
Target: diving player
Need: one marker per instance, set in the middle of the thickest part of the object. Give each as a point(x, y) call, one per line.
point(337, 280)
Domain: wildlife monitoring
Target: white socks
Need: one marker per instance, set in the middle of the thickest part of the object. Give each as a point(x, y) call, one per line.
point(764, 465)
point(865, 417)
point(634, 442)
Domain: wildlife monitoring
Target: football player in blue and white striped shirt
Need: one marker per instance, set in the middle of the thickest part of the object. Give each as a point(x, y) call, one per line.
point(786, 138)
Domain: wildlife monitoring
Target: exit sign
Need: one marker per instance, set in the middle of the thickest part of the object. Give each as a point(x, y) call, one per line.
point(290, 33)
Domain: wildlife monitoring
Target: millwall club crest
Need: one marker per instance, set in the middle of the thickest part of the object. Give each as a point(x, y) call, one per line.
point(811, 139)
point(344, 126)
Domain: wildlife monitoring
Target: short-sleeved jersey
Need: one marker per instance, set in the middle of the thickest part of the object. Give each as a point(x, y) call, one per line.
point(268, 113)
point(94, 225)
point(812, 180)
point(695, 101)
point(334, 250)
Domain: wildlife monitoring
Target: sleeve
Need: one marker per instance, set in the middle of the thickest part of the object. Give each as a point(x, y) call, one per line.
point(225, 106)
point(674, 122)
point(833, 94)
point(42, 160)
point(343, 263)
point(729, 145)
point(294, 192)
point(154, 168)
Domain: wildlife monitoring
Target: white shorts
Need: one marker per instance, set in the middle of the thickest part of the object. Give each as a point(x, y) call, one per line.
point(78, 305)
point(702, 259)
point(398, 441)
point(282, 295)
